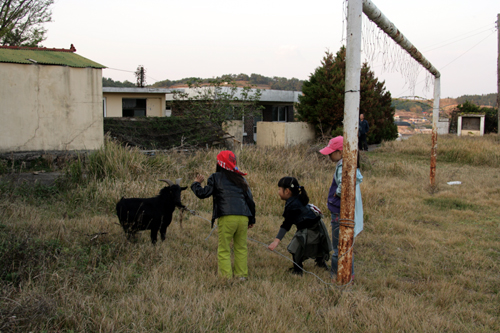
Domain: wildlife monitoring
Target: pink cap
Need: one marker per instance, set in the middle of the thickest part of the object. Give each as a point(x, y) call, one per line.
point(336, 143)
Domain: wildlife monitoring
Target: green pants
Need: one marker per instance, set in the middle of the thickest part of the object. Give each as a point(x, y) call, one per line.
point(233, 227)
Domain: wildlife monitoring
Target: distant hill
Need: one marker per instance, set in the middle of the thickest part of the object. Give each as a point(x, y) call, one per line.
point(446, 104)
point(282, 83)
point(260, 81)
point(481, 100)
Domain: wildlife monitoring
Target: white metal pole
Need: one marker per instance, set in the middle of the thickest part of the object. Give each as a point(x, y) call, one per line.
point(498, 74)
point(350, 149)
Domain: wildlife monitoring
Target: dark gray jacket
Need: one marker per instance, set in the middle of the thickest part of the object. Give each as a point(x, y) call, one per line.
point(228, 199)
point(363, 127)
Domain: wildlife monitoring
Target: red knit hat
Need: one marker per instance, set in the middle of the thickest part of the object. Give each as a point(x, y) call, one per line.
point(227, 160)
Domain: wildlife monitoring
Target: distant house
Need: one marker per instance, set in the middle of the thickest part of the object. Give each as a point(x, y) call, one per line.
point(278, 107)
point(51, 100)
point(135, 102)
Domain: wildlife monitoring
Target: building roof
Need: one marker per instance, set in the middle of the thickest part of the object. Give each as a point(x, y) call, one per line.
point(139, 90)
point(45, 56)
point(402, 123)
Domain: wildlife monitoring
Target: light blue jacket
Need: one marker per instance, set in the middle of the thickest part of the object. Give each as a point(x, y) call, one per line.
point(358, 205)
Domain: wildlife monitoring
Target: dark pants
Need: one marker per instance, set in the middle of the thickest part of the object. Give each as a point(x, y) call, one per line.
point(335, 244)
point(362, 145)
point(298, 263)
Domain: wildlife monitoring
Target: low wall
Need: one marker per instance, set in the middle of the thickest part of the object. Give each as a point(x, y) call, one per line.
point(443, 126)
point(283, 134)
point(234, 128)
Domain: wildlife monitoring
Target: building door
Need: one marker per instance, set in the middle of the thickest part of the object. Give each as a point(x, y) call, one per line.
point(154, 107)
point(256, 119)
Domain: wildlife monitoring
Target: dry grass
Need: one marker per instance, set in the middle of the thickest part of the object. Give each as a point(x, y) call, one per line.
point(424, 263)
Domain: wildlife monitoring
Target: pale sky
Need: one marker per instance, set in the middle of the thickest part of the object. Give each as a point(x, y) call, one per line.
point(209, 38)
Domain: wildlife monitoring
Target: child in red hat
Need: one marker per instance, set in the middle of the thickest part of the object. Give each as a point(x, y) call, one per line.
point(234, 208)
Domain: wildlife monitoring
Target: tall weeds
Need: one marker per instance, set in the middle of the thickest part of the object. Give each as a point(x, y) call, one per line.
point(476, 151)
point(424, 262)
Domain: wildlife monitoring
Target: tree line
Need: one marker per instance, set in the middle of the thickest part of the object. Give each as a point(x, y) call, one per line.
point(481, 100)
point(276, 83)
point(108, 82)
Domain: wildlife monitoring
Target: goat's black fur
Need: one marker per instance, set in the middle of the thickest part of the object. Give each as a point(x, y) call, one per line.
point(137, 214)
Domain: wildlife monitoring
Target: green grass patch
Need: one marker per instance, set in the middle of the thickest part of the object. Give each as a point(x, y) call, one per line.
point(451, 203)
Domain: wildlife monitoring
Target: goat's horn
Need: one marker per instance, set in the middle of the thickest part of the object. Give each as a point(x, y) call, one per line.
point(178, 181)
point(168, 181)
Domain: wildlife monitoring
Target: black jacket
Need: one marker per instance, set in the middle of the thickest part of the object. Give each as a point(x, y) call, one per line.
point(228, 199)
point(363, 127)
point(296, 213)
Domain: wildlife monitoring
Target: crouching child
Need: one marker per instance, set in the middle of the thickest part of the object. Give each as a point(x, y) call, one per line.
point(311, 240)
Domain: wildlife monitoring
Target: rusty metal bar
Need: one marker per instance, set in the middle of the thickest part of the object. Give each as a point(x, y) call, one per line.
point(435, 119)
point(350, 148)
point(355, 10)
point(376, 16)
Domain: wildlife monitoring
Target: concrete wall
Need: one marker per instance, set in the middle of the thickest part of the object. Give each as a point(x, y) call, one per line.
point(234, 128)
point(443, 126)
point(155, 103)
point(50, 108)
point(298, 132)
point(283, 134)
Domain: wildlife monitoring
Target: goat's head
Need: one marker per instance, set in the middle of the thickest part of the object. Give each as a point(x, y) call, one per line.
point(173, 191)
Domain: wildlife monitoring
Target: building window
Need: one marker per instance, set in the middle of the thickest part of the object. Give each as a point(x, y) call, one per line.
point(280, 113)
point(471, 123)
point(133, 107)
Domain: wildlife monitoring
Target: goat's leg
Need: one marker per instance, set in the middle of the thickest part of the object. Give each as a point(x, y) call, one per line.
point(154, 235)
point(164, 226)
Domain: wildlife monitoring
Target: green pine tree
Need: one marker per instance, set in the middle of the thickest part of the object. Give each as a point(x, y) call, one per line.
point(322, 103)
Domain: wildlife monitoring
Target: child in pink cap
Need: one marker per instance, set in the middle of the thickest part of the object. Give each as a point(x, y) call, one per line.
point(234, 208)
point(334, 151)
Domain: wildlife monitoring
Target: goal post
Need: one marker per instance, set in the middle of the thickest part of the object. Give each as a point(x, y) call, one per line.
point(355, 9)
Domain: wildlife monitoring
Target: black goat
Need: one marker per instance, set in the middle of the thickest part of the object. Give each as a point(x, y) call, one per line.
point(136, 214)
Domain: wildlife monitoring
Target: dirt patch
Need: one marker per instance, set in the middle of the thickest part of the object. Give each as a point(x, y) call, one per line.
point(32, 178)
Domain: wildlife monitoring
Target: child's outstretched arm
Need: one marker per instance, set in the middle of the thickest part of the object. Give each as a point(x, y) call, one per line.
point(279, 237)
point(199, 178)
point(203, 192)
point(274, 244)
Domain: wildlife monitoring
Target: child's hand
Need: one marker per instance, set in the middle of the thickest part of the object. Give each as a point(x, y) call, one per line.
point(250, 226)
point(274, 244)
point(199, 178)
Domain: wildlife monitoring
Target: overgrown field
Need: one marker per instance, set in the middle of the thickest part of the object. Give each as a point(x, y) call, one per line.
point(425, 262)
